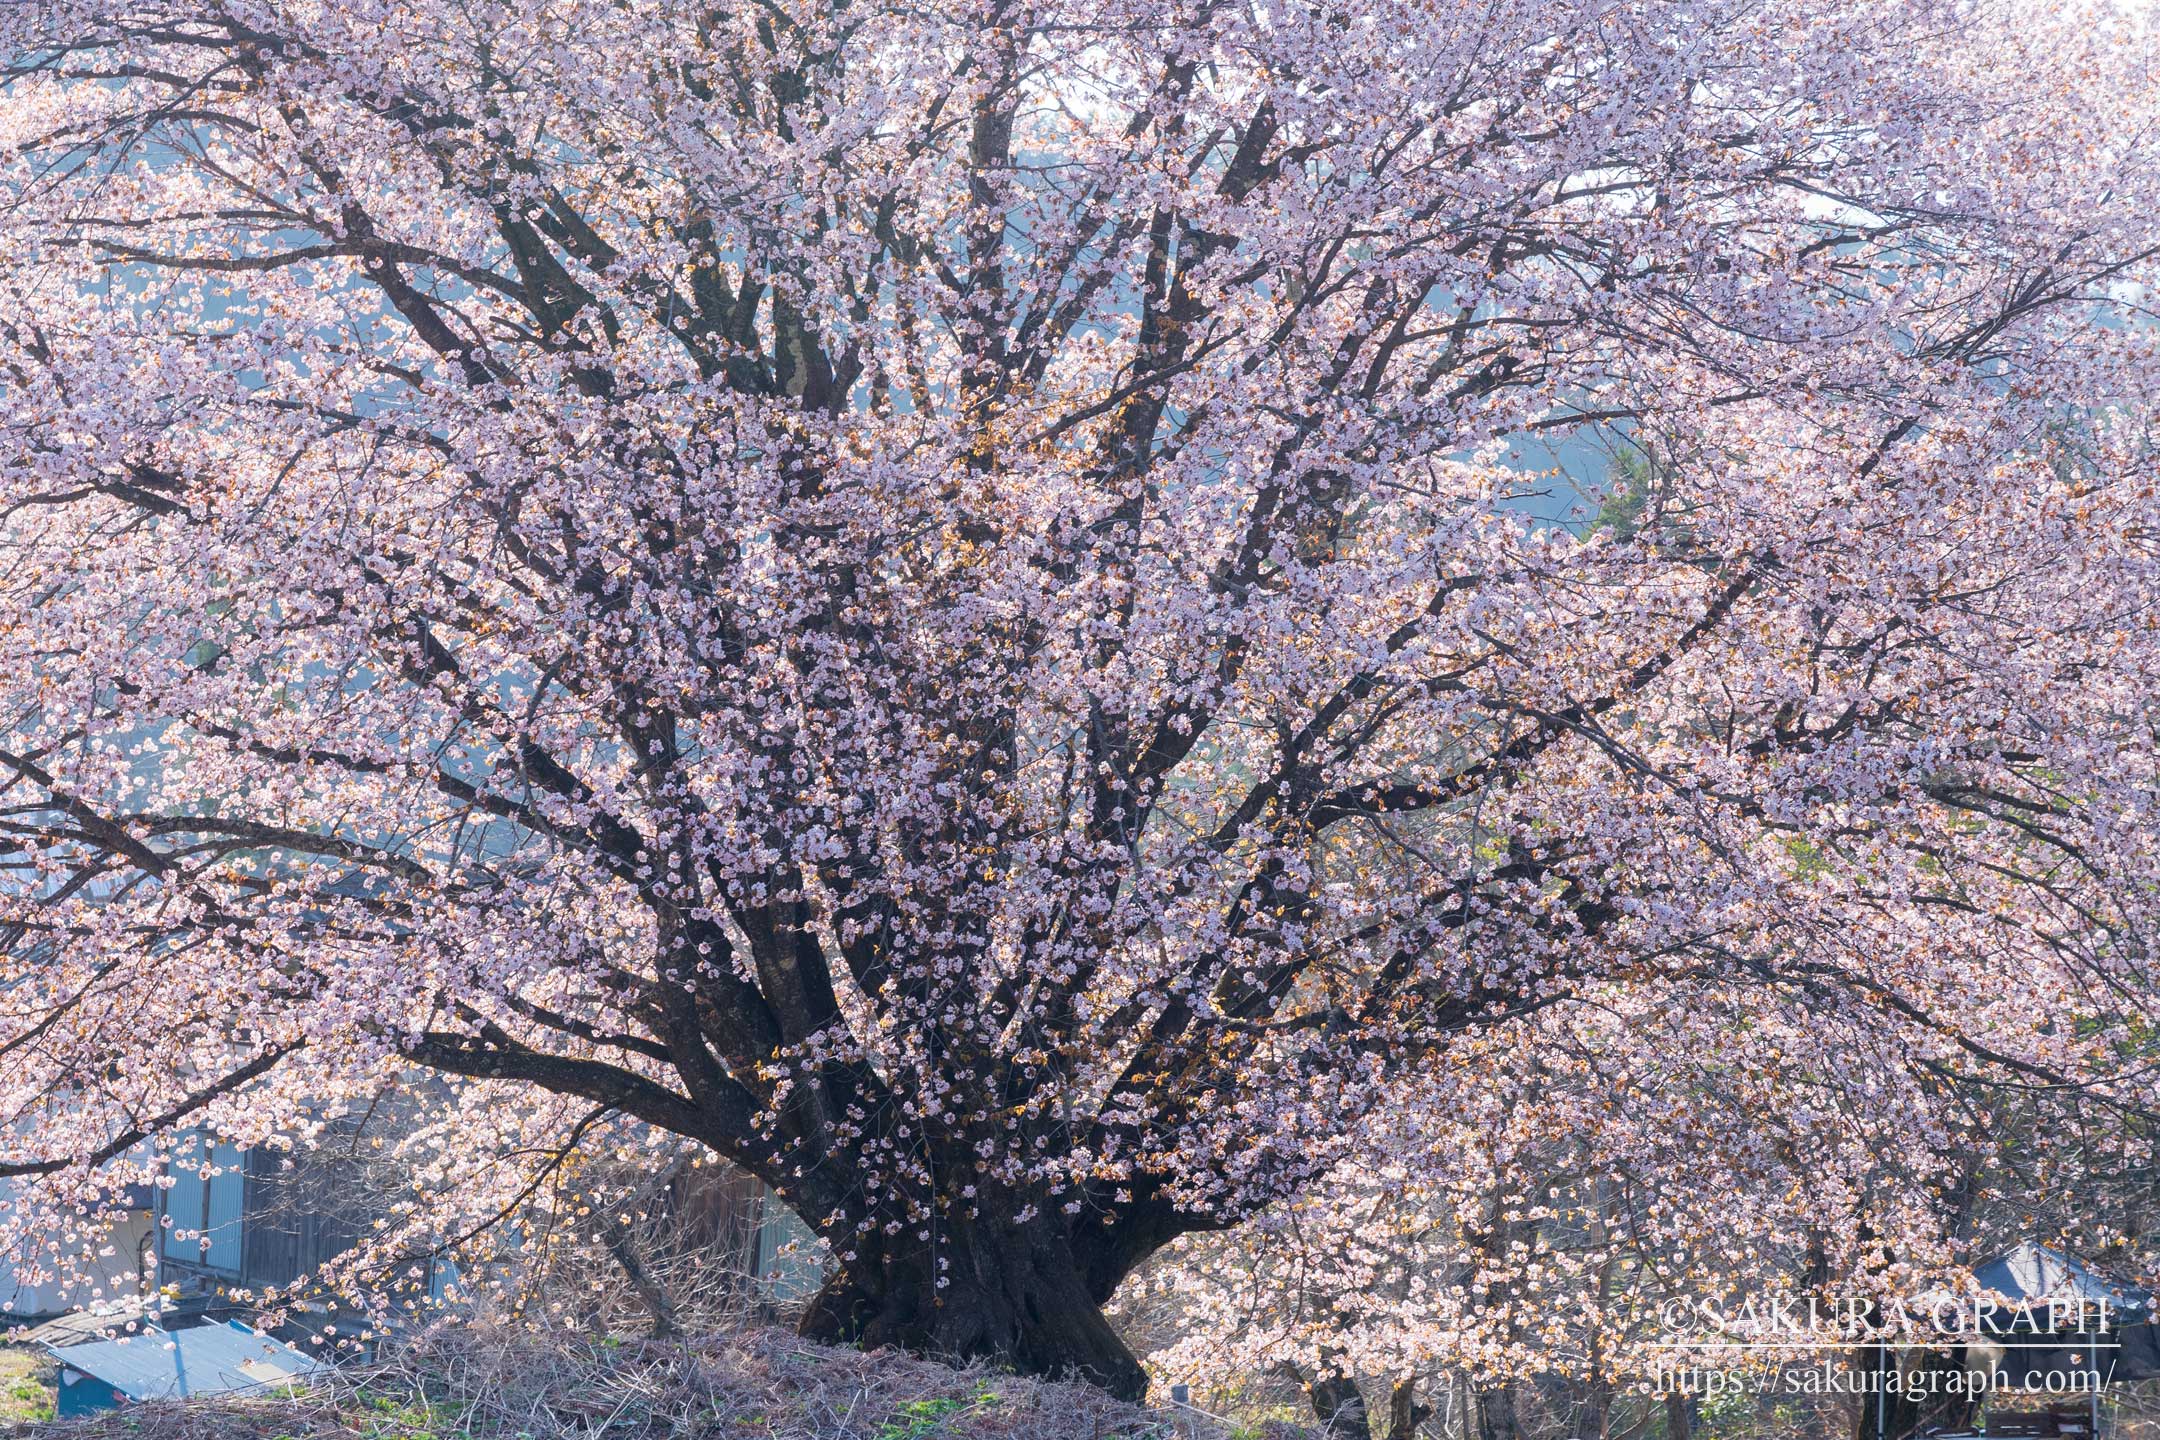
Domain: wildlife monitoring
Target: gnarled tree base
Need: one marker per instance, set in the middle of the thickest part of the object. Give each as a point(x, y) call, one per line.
point(1012, 1294)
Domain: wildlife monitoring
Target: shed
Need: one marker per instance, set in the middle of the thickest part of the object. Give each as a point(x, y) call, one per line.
point(2061, 1314)
point(99, 1322)
point(222, 1359)
point(2040, 1276)
point(29, 1283)
point(234, 1219)
point(234, 1223)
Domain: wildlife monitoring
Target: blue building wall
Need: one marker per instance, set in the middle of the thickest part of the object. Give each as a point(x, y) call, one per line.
point(85, 1396)
point(225, 1204)
point(205, 1209)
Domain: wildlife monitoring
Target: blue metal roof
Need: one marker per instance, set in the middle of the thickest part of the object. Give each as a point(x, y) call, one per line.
point(204, 1360)
point(2036, 1274)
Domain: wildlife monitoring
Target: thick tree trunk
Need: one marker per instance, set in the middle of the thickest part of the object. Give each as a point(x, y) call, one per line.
point(1926, 1401)
point(1405, 1414)
point(1340, 1407)
point(1496, 1413)
point(1014, 1293)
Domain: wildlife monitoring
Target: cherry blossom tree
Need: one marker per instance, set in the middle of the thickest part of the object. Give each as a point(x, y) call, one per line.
point(1541, 1240)
point(952, 604)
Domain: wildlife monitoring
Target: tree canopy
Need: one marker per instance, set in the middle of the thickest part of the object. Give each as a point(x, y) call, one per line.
point(952, 603)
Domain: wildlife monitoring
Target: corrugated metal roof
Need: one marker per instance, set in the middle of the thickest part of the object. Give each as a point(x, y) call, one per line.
point(204, 1360)
point(79, 1326)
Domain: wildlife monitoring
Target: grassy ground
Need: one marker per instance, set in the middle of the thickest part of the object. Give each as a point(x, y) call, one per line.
point(25, 1391)
point(488, 1384)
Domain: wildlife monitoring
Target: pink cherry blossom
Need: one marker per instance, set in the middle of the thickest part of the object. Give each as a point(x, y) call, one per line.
point(992, 612)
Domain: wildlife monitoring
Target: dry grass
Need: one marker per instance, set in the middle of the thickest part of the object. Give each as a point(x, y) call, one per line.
point(25, 1390)
point(499, 1384)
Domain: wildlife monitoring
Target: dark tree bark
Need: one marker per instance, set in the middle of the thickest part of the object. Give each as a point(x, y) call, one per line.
point(622, 1246)
point(1405, 1414)
point(1340, 1407)
point(1496, 1413)
point(1017, 1294)
point(1913, 1408)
